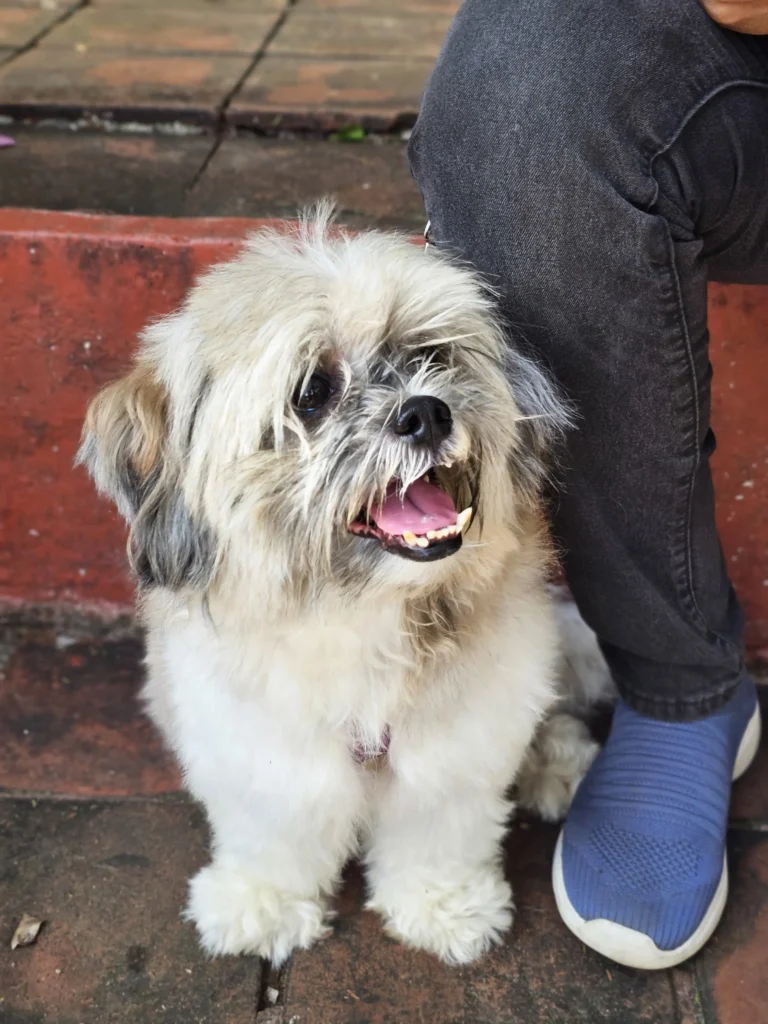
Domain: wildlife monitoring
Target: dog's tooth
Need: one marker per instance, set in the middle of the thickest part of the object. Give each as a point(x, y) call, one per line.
point(410, 538)
point(425, 478)
point(432, 534)
point(422, 542)
point(464, 518)
point(448, 465)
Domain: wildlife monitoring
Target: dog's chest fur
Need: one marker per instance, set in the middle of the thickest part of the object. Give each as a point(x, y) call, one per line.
point(350, 671)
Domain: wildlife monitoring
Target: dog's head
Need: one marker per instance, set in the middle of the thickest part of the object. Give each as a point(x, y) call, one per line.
point(323, 410)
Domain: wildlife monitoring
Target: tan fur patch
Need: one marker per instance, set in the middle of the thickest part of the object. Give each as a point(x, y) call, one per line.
point(137, 403)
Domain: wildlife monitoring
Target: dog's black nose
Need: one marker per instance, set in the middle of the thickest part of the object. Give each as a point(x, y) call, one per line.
point(424, 420)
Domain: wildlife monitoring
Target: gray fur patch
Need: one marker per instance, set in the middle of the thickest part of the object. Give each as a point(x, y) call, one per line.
point(167, 548)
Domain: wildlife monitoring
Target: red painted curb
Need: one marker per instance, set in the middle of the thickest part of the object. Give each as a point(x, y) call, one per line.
point(76, 289)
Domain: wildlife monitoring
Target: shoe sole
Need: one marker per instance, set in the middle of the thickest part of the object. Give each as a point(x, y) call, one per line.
point(634, 949)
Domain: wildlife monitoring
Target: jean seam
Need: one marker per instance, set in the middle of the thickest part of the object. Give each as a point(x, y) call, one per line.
point(689, 594)
point(715, 91)
point(692, 433)
point(689, 590)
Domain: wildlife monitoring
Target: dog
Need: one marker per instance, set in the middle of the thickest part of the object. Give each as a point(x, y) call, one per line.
point(331, 462)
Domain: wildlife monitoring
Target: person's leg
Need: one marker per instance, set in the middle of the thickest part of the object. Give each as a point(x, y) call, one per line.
point(597, 161)
point(535, 150)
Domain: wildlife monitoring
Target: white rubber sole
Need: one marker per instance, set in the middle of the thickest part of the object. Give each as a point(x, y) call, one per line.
point(634, 949)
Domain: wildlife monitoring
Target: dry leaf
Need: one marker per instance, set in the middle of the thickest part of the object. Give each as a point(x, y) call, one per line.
point(26, 931)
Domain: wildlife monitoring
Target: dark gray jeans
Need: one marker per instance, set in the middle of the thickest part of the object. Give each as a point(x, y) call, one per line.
point(598, 161)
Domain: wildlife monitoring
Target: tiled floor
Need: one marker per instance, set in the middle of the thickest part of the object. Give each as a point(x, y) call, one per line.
point(312, 64)
point(96, 839)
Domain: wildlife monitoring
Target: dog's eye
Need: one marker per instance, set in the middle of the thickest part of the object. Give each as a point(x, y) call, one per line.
point(314, 395)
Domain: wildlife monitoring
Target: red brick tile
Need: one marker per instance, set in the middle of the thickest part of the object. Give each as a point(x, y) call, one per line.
point(109, 881)
point(64, 335)
point(291, 92)
point(70, 720)
point(731, 969)
point(540, 974)
point(354, 34)
point(217, 6)
point(158, 31)
point(448, 7)
point(20, 25)
point(66, 82)
point(257, 177)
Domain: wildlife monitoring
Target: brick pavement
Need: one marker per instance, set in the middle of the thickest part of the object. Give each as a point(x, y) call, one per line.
point(97, 840)
point(172, 107)
point(312, 64)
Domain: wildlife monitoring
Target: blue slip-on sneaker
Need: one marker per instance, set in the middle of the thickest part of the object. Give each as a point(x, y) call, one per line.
point(640, 871)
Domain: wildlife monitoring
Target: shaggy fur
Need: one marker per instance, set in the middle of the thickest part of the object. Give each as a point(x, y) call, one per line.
point(281, 644)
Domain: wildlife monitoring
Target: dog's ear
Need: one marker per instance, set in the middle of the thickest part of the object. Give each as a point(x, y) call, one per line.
point(124, 437)
point(126, 449)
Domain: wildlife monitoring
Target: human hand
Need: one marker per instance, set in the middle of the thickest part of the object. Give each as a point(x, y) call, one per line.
point(750, 16)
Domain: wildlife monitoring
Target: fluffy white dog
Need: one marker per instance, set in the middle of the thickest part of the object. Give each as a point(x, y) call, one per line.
point(330, 461)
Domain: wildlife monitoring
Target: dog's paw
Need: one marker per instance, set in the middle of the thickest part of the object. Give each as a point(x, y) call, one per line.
point(236, 913)
point(559, 758)
point(458, 919)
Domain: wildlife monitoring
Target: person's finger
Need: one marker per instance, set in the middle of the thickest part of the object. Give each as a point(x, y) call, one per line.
point(749, 16)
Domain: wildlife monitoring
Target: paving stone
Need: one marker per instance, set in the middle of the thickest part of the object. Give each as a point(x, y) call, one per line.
point(96, 172)
point(70, 720)
point(284, 92)
point(159, 31)
point(449, 7)
point(216, 6)
point(541, 973)
point(109, 880)
point(256, 177)
point(20, 25)
point(359, 34)
point(64, 83)
point(731, 969)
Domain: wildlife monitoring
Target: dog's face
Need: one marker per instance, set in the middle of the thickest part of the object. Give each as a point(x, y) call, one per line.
point(323, 410)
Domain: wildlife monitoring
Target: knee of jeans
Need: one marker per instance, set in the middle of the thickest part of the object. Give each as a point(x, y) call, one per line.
point(532, 102)
point(520, 190)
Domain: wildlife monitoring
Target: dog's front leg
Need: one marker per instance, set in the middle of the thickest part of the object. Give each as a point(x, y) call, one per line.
point(435, 874)
point(434, 857)
point(283, 811)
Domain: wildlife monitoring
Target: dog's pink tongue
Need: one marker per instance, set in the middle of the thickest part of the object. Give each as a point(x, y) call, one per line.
point(424, 507)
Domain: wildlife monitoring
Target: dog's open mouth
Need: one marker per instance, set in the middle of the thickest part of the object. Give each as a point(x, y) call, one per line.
point(422, 524)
